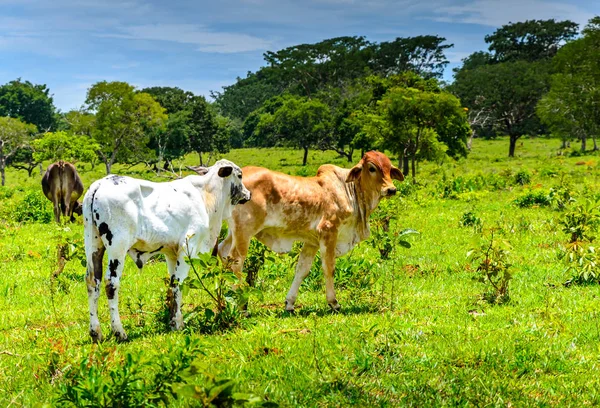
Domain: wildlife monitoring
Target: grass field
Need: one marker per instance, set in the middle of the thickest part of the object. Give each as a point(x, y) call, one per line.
point(413, 329)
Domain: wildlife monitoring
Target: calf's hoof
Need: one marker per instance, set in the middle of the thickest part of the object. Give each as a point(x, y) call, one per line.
point(96, 335)
point(121, 336)
point(335, 306)
point(289, 307)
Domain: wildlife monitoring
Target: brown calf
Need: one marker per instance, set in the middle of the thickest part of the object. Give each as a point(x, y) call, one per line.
point(329, 212)
point(61, 185)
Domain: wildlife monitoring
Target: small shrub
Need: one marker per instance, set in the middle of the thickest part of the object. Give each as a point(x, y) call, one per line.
point(581, 222)
point(469, 219)
point(493, 269)
point(105, 379)
point(583, 263)
point(533, 198)
point(523, 177)
point(227, 293)
point(34, 208)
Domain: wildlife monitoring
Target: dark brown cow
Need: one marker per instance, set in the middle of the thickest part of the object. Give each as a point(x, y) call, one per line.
point(62, 185)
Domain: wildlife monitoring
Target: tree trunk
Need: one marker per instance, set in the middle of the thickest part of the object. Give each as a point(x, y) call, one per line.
point(200, 157)
point(350, 154)
point(583, 144)
point(304, 160)
point(470, 141)
point(41, 169)
point(2, 165)
point(405, 164)
point(512, 146)
point(595, 144)
point(413, 168)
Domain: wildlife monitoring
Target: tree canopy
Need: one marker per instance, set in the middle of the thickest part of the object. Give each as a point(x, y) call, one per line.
point(29, 103)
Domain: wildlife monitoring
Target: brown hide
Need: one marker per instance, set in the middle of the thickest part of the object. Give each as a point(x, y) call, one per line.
point(62, 185)
point(329, 212)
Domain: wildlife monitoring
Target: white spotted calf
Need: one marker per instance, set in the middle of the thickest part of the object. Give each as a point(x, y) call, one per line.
point(123, 215)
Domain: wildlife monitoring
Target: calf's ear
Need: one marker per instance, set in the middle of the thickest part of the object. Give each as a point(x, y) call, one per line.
point(354, 173)
point(396, 174)
point(201, 170)
point(225, 171)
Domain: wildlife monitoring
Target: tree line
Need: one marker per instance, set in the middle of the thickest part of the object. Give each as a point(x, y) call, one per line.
point(344, 94)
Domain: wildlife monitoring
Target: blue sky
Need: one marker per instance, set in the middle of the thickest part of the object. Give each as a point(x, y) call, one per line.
point(202, 45)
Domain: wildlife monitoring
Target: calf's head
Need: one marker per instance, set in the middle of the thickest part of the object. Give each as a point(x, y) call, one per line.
point(375, 173)
point(232, 175)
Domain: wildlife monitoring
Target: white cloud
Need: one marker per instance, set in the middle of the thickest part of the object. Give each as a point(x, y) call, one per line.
point(496, 13)
point(205, 39)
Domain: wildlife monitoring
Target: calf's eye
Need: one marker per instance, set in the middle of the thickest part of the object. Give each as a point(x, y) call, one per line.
point(372, 169)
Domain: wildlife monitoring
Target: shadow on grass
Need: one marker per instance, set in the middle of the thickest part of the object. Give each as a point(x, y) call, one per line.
point(356, 309)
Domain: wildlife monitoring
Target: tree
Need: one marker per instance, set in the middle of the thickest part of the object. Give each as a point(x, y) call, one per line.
point(423, 55)
point(572, 106)
point(531, 40)
point(64, 146)
point(203, 129)
point(14, 135)
point(300, 122)
point(419, 124)
point(124, 121)
point(509, 91)
point(29, 103)
point(77, 122)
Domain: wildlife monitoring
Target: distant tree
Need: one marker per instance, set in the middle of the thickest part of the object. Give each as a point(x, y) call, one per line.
point(77, 122)
point(418, 124)
point(509, 91)
point(303, 123)
point(64, 146)
point(203, 134)
point(14, 135)
point(29, 103)
point(531, 40)
point(124, 121)
point(423, 55)
point(572, 106)
point(309, 69)
point(173, 99)
point(246, 95)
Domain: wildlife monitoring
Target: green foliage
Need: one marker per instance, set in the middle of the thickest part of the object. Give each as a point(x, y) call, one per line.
point(417, 123)
point(29, 103)
point(509, 91)
point(583, 263)
point(470, 219)
point(34, 207)
point(493, 269)
point(530, 40)
point(14, 135)
point(533, 198)
point(582, 221)
point(382, 238)
point(124, 122)
point(523, 177)
point(55, 146)
point(107, 379)
point(228, 294)
point(570, 108)
point(307, 69)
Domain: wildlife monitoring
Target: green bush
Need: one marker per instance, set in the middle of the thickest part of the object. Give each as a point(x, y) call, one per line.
point(523, 177)
point(34, 208)
point(533, 198)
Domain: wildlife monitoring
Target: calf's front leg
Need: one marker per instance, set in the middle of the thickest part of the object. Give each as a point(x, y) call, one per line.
point(178, 270)
point(328, 244)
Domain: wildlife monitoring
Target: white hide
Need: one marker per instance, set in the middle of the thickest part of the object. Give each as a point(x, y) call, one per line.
point(180, 218)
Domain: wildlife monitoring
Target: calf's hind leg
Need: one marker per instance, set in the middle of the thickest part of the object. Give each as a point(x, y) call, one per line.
point(112, 279)
point(93, 278)
point(302, 269)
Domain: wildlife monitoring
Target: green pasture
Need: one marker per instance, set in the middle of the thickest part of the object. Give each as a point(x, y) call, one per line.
point(413, 329)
